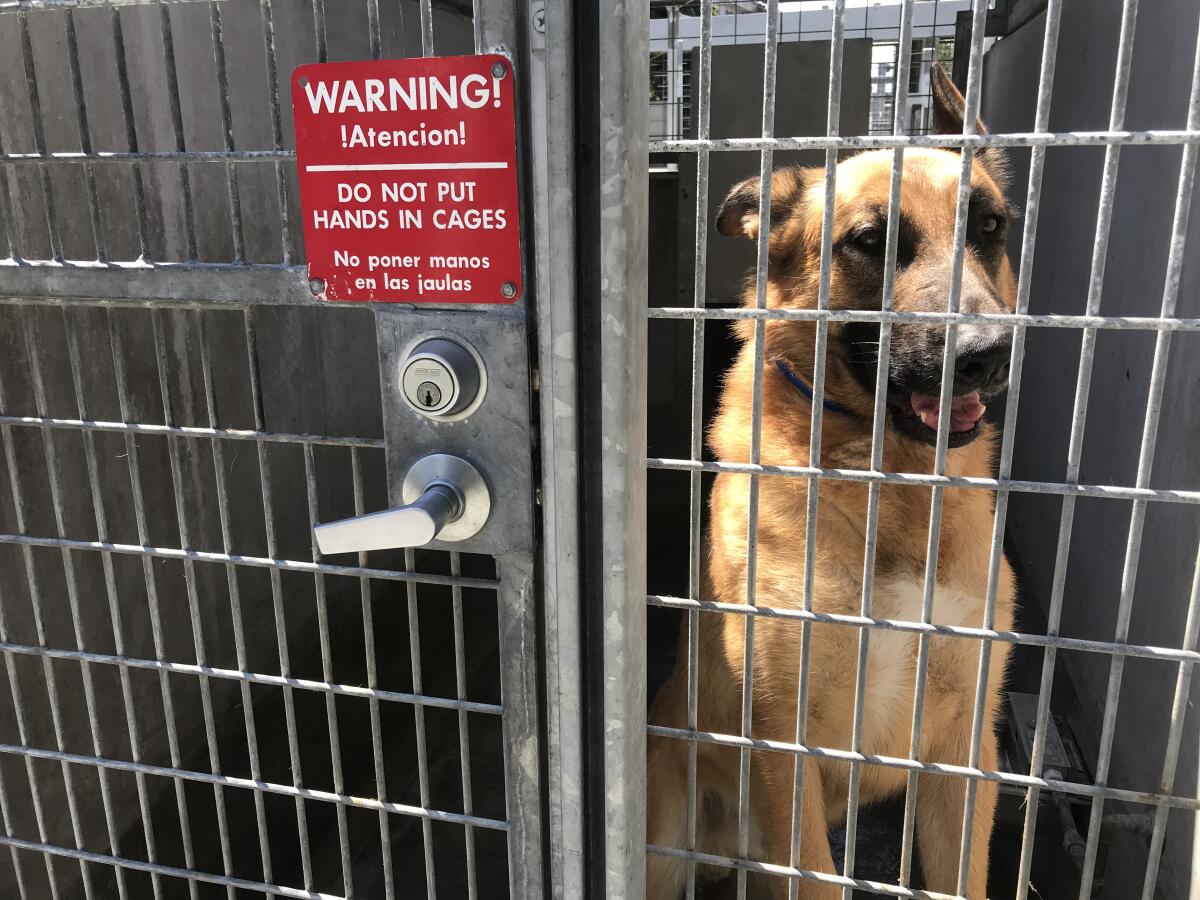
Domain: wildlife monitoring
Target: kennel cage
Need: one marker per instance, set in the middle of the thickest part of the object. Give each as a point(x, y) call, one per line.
point(1074, 754)
point(233, 713)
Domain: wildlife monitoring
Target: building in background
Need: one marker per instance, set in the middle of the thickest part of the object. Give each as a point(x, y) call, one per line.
point(675, 32)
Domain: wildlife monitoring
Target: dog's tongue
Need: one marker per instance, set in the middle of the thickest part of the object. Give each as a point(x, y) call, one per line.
point(964, 411)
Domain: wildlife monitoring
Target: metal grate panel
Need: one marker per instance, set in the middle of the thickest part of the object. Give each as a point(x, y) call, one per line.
point(190, 631)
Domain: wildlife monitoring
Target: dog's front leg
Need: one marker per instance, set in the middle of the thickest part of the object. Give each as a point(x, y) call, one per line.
point(941, 801)
point(774, 784)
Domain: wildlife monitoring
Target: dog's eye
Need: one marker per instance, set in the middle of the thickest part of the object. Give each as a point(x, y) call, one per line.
point(870, 238)
point(990, 224)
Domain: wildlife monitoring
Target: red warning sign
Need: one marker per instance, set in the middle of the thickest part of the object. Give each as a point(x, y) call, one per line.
point(408, 179)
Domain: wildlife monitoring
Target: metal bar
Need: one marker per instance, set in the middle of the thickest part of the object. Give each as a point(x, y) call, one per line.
point(9, 202)
point(157, 870)
point(193, 601)
point(85, 140)
point(131, 139)
point(231, 171)
point(18, 6)
point(341, 800)
point(1045, 320)
point(426, 28)
point(497, 25)
point(695, 486)
point(1179, 706)
point(331, 718)
point(283, 565)
point(373, 35)
point(1064, 139)
point(971, 112)
point(1111, 492)
point(879, 413)
point(833, 128)
point(17, 858)
point(1112, 137)
point(185, 180)
point(86, 156)
point(893, 762)
point(747, 865)
point(414, 656)
point(766, 156)
point(1024, 287)
point(268, 26)
point(133, 284)
point(190, 431)
point(1142, 651)
point(619, 220)
point(39, 134)
point(319, 31)
point(551, 144)
point(1194, 881)
point(281, 641)
point(200, 320)
point(281, 681)
point(364, 589)
point(464, 734)
point(521, 729)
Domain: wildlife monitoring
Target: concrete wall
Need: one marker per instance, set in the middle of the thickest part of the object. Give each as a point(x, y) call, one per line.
point(1133, 284)
point(802, 96)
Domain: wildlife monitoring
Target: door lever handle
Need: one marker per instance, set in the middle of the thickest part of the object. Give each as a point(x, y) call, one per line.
point(445, 498)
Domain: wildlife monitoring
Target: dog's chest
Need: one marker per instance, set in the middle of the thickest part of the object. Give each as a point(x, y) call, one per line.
point(892, 658)
point(903, 599)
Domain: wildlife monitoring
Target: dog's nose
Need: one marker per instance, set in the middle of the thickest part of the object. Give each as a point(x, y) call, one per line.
point(982, 358)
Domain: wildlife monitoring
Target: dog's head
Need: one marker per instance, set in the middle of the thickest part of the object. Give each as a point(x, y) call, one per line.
point(924, 274)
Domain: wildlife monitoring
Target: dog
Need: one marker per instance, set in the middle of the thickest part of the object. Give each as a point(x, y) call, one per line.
point(923, 277)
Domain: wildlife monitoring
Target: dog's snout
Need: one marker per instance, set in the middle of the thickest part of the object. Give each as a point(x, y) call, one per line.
point(982, 358)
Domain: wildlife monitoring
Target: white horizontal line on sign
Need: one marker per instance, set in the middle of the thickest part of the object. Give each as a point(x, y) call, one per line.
point(406, 167)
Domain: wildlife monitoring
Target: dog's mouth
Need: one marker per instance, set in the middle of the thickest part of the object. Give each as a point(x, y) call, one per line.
point(917, 415)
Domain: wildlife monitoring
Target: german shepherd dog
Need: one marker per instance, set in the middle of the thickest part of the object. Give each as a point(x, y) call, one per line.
point(923, 277)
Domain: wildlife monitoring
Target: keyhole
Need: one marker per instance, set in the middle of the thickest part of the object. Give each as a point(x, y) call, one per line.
point(428, 395)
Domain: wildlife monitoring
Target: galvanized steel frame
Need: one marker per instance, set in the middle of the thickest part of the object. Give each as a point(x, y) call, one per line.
point(234, 286)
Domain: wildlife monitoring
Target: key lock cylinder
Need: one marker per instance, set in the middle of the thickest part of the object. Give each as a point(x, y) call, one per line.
point(445, 497)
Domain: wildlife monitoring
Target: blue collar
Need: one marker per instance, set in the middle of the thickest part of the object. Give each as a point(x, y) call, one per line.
point(799, 384)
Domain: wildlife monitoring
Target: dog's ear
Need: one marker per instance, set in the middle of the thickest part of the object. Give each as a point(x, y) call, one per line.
point(949, 107)
point(948, 104)
point(739, 214)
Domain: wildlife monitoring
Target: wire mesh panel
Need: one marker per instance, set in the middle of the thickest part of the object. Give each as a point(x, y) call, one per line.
point(197, 702)
point(855, 627)
point(252, 697)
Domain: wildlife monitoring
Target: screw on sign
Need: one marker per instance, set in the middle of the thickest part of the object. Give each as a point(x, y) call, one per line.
point(408, 179)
